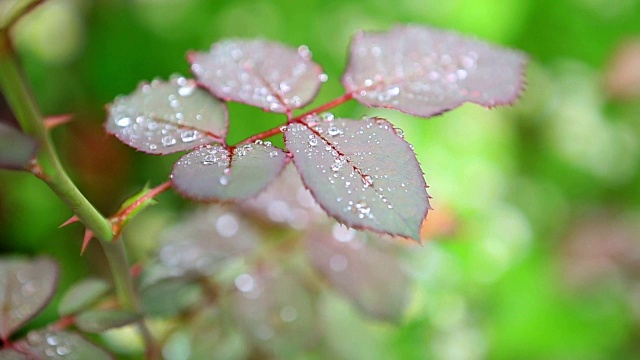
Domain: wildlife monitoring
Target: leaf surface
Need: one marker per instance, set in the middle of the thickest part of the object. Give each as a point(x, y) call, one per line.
point(96, 321)
point(360, 271)
point(16, 148)
point(362, 173)
point(82, 295)
point(213, 173)
point(26, 286)
point(10, 10)
point(50, 344)
point(166, 117)
point(261, 73)
point(425, 71)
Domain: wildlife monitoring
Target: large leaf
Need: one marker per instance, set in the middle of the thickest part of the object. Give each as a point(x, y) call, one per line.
point(96, 321)
point(362, 173)
point(25, 288)
point(259, 73)
point(50, 344)
point(424, 71)
point(212, 173)
point(82, 295)
point(16, 148)
point(360, 271)
point(166, 117)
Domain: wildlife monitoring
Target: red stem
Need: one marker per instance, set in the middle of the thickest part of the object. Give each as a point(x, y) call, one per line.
point(120, 217)
point(260, 136)
point(330, 105)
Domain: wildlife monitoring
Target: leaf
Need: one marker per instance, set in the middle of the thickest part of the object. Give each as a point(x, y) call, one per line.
point(166, 117)
point(362, 173)
point(46, 344)
point(360, 271)
point(96, 321)
point(16, 148)
point(25, 288)
point(170, 297)
point(260, 73)
point(11, 10)
point(210, 173)
point(140, 195)
point(10, 354)
point(424, 71)
point(82, 295)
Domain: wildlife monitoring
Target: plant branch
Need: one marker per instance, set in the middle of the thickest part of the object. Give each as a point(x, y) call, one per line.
point(260, 136)
point(330, 105)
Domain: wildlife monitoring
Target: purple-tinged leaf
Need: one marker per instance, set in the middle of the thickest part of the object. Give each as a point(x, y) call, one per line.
point(260, 73)
point(51, 344)
point(96, 321)
point(211, 173)
point(362, 173)
point(166, 117)
point(286, 201)
point(16, 148)
point(275, 311)
point(82, 295)
point(424, 71)
point(25, 288)
point(373, 280)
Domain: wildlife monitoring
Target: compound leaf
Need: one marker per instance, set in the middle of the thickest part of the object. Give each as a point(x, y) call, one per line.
point(260, 73)
point(363, 173)
point(167, 117)
point(46, 344)
point(214, 173)
point(360, 271)
point(424, 71)
point(16, 148)
point(25, 288)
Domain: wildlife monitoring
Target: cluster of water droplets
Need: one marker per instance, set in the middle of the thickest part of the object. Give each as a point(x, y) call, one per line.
point(54, 345)
point(163, 117)
point(259, 73)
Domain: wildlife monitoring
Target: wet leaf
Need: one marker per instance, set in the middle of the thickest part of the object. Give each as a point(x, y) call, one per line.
point(16, 148)
point(360, 271)
point(26, 286)
point(82, 295)
point(203, 244)
point(275, 311)
point(166, 117)
point(259, 73)
point(211, 173)
point(362, 173)
point(286, 201)
point(49, 344)
point(10, 354)
point(96, 321)
point(424, 71)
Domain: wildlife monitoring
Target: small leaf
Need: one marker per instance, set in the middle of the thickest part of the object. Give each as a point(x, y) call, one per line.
point(166, 117)
point(46, 344)
point(360, 272)
point(25, 288)
point(16, 148)
point(96, 321)
point(82, 295)
point(170, 297)
point(424, 71)
point(259, 73)
point(131, 201)
point(210, 173)
point(362, 173)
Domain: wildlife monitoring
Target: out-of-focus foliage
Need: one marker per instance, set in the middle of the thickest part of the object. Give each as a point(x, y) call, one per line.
point(532, 248)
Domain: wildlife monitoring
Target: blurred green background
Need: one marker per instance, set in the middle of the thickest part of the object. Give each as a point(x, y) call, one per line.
point(533, 251)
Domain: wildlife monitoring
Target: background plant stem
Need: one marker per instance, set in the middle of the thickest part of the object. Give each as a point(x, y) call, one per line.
point(16, 90)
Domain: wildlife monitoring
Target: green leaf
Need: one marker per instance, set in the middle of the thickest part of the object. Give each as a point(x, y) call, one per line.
point(145, 204)
point(16, 148)
point(82, 295)
point(25, 288)
point(170, 297)
point(95, 321)
point(11, 10)
point(51, 344)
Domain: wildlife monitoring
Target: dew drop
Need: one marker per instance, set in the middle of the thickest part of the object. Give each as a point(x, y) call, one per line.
point(125, 121)
point(313, 142)
point(304, 52)
point(187, 89)
point(283, 128)
point(334, 131)
point(399, 132)
point(273, 154)
point(327, 117)
point(258, 142)
point(63, 350)
point(168, 141)
point(224, 180)
point(189, 136)
point(244, 283)
point(336, 166)
point(227, 225)
point(323, 77)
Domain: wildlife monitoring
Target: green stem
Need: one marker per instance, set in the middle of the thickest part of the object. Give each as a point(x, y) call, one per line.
point(17, 92)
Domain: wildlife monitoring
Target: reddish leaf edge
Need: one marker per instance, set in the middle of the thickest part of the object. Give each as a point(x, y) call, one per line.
point(234, 200)
point(48, 298)
point(288, 110)
point(416, 239)
point(24, 349)
point(520, 87)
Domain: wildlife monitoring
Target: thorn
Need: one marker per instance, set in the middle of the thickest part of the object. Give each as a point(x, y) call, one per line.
point(136, 270)
point(51, 122)
point(88, 234)
point(71, 220)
